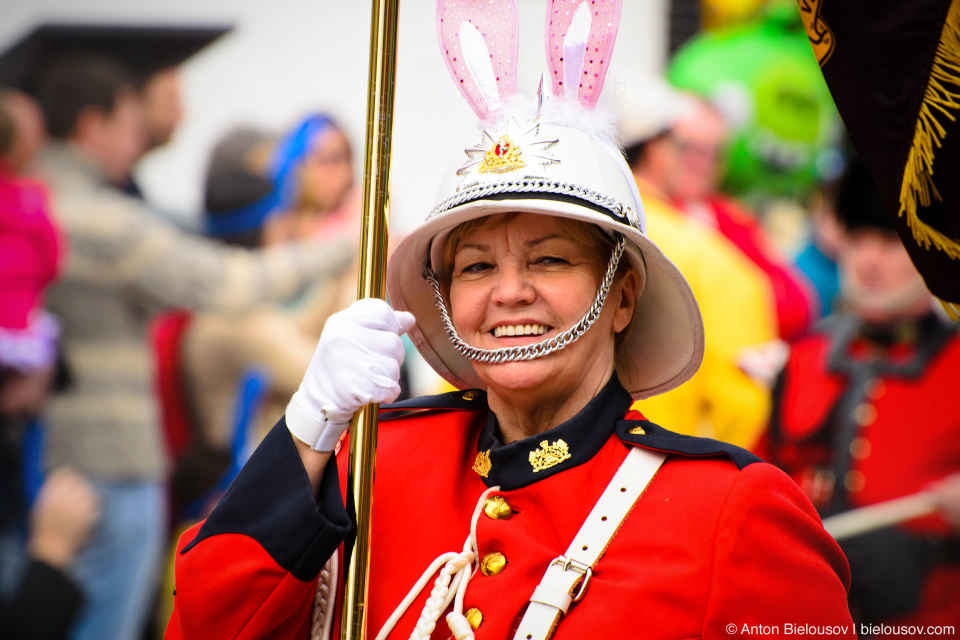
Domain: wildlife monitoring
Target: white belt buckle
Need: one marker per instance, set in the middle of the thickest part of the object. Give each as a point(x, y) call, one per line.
point(570, 564)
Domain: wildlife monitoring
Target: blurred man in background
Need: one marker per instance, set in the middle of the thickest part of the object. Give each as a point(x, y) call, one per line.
point(864, 412)
point(126, 263)
point(163, 105)
point(152, 54)
point(163, 111)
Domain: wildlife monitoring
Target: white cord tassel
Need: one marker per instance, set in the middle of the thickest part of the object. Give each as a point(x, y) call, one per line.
point(450, 586)
point(454, 571)
point(459, 626)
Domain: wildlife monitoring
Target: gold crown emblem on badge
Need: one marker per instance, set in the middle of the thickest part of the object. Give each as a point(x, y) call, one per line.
point(502, 157)
point(549, 455)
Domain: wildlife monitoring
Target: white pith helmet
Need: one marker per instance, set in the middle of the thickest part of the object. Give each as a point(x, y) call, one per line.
point(539, 165)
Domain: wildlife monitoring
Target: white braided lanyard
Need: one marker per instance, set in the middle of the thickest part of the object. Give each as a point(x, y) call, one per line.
point(324, 601)
point(450, 585)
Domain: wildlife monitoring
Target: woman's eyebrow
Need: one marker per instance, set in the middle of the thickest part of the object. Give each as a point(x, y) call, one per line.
point(553, 236)
point(472, 245)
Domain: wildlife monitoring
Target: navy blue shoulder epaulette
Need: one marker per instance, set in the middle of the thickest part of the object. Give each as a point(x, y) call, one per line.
point(651, 436)
point(466, 400)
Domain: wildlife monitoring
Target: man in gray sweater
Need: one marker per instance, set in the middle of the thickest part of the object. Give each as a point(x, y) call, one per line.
point(123, 264)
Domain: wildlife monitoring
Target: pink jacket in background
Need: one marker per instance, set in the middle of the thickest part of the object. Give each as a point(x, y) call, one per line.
point(31, 248)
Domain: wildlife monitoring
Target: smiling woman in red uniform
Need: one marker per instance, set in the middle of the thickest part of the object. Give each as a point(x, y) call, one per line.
point(532, 503)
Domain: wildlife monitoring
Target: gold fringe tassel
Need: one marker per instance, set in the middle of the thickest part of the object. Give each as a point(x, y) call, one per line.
point(940, 100)
point(952, 309)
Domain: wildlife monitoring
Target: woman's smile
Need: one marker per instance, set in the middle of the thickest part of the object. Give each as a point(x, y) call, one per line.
point(519, 329)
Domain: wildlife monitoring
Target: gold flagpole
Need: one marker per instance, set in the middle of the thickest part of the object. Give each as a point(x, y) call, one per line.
point(373, 260)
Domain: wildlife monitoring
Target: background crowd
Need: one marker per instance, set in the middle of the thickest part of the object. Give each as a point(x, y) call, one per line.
point(140, 361)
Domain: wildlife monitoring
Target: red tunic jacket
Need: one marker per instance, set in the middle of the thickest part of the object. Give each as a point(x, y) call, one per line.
point(856, 422)
point(720, 542)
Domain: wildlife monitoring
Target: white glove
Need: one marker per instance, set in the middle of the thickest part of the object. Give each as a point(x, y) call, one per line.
point(357, 362)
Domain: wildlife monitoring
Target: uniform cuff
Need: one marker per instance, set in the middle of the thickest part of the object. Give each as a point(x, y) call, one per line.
point(272, 502)
point(317, 432)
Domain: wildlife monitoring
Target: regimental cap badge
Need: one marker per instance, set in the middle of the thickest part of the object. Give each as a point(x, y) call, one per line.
point(508, 147)
point(549, 455)
point(502, 157)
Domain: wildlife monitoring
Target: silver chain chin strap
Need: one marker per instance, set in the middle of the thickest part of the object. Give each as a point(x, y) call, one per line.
point(539, 349)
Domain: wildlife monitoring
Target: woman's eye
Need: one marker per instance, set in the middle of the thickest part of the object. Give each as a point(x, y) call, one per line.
point(476, 267)
point(550, 261)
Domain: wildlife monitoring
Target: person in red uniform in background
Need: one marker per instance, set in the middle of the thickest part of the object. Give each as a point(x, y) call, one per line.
point(547, 506)
point(864, 411)
point(698, 137)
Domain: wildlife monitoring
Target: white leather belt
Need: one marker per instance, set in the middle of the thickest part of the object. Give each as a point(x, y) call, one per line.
point(567, 578)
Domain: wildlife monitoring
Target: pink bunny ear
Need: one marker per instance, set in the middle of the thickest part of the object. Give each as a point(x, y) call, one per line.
point(580, 39)
point(479, 42)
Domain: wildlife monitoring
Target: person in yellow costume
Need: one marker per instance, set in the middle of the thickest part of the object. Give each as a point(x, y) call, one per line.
point(721, 401)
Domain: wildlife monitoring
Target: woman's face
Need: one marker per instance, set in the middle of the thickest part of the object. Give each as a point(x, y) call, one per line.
point(327, 172)
point(521, 278)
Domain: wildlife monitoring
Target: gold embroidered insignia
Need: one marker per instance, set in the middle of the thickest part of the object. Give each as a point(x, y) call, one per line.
point(637, 431)
point(820, 35)
point(549, 455)
point(509, 147)
point(482, 464)
point(502, 157)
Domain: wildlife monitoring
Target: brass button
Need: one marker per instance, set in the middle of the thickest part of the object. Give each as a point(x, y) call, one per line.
point(637, 431)
point(493, 563)
point(475, 618)
point(471, 394)
point(854, 481)
point(875, 388)
point(865, 414)
point(860, 448)
point(497, 508)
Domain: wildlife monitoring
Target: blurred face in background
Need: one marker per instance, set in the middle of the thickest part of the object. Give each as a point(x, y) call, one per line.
point(877, 277)
point(163, 106)
point(699, 139)
point(659, 163)
point(28, 129)
point(327, 173)
point(827, 231)
point(115, 139)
